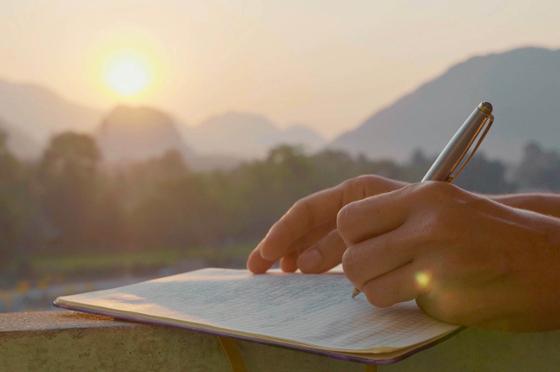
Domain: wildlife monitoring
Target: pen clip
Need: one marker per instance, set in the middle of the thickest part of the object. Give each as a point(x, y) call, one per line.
point(470, 151)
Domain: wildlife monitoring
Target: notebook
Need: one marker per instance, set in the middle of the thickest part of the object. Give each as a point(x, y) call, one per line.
point(314, 313)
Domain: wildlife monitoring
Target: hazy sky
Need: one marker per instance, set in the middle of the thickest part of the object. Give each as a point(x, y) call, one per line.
point(328, 64)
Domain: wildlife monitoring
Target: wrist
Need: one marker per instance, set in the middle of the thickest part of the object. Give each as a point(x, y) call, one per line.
point(547, 204)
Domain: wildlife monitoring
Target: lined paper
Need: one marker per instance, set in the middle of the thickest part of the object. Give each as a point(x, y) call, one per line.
point(310, 310)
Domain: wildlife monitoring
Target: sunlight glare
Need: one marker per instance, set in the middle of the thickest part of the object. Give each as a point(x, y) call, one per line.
point(127, 73)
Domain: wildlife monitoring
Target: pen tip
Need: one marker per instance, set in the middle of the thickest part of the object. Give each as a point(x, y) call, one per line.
point(355, 292)
point(486, 106)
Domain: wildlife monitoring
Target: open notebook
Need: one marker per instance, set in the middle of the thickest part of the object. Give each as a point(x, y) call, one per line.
point(309, 312)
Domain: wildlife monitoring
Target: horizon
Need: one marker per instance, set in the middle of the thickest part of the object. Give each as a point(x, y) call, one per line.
point(207, 59)
point(180, 121)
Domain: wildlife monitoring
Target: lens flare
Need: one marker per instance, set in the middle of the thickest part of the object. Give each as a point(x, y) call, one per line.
point(423, 279)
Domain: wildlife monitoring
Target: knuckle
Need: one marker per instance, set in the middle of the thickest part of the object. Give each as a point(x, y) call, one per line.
point(430, 187)
point(353, 189)
point(300, 206)
point(345, 217)
point(361, 187)
point(301, 211)
point(369, 179)
point(365, 179)
point(412, 188)
point(438, 189)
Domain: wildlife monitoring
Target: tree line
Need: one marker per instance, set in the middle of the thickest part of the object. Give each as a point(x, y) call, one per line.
point(70, 201)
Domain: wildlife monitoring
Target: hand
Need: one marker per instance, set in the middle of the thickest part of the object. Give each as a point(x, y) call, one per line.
point(465, 258)
point(306, 237)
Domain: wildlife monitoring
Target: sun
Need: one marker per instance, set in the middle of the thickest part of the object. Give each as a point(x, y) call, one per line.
point(127, 73)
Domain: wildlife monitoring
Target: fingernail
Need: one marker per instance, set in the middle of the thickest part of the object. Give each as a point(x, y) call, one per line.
point(261, 253)
point(310, 260)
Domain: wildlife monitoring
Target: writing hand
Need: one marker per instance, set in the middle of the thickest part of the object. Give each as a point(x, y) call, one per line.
point(465, 258)
point(306, 237)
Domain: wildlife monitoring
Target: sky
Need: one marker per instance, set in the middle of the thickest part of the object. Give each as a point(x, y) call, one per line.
point(326, 64)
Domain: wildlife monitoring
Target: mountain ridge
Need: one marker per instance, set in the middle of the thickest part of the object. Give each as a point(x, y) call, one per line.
point(34, 112)
point(523, 84)
point(135, 133)
point(41, 112)
point(247, 135)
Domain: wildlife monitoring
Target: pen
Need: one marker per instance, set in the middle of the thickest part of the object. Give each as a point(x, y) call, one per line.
point(460, 149)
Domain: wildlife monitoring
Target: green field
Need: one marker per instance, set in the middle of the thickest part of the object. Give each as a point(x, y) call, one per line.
point(94, 263)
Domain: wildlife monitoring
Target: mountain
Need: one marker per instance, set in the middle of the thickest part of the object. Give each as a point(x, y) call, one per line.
point(522, 84)
point(301, 134)
point(137, 133)
point(246, 135)
point(32, 114)
point(39, 112)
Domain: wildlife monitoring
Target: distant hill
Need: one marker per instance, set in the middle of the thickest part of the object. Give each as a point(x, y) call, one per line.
point(39, 112)
point(522, 84)
point(303, 135)
point(31, 114)
point(246, 135)
point(138, 133)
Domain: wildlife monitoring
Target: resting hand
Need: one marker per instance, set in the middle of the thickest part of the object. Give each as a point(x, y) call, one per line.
point(306, 237)
point(465, 258)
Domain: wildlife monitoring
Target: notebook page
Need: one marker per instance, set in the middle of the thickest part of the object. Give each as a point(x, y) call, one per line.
point(310, 310)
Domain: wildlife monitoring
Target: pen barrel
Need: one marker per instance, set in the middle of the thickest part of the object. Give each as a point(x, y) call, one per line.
point(455, 151)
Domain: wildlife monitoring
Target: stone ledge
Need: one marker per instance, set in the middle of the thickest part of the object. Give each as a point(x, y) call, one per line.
point(55, 321)
point(68, 341)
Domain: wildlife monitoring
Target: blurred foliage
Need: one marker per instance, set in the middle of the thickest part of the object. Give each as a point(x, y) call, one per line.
point(539, 169)
point(68, 202)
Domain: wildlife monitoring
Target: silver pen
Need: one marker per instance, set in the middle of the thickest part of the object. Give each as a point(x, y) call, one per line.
point(460, 149)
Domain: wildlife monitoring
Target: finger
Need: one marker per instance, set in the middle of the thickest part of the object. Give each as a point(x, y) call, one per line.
point(258, 265)
point(304, 216)
point(400, 285)
point(318, 209)
point(323, 256)
point(372, 258)
point(311, 238)
point(367, 218)
point(288, 263)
